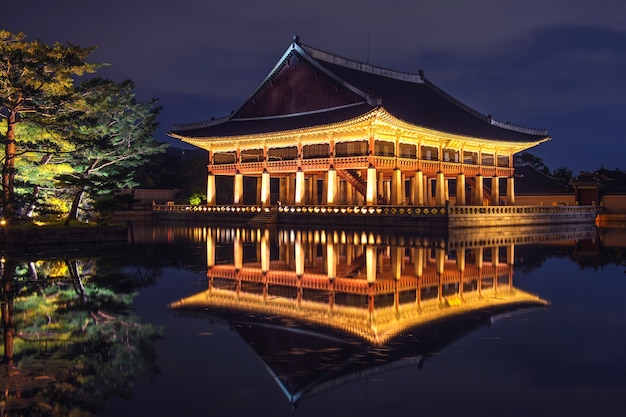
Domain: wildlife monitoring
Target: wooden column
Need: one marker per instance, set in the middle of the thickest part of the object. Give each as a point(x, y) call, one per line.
point(210, 190)
point(265, 189)
point(299, 199)
point(460, 190)
point(478, 190)
point(238, 189)
point(510, 191)
point(332, 187)
point(495, 191)
point(396, 186)
point(371, 194)
point(419, 188)
point(440, 191)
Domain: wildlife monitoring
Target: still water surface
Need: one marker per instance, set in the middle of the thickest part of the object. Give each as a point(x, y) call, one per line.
point(200, 321)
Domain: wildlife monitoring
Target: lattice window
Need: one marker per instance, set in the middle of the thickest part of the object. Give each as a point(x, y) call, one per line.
point(470, 158)
point(357, 148)
point(321, 150)
point(384, 148)
point(224, 158)
point(451, 155)
point(487, 159)
point(252, 155)
point(503, 160)
point(408, 150)
point(430, 153)
point(283, 154)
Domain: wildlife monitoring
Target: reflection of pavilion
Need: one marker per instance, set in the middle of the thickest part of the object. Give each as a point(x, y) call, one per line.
point(350, 304)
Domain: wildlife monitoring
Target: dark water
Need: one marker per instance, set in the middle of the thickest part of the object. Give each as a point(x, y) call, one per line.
point(198, 321)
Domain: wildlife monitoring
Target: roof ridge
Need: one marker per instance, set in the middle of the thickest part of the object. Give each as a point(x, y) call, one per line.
point(361, 66)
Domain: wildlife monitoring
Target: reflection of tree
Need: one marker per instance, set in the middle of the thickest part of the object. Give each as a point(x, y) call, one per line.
point(70, 341)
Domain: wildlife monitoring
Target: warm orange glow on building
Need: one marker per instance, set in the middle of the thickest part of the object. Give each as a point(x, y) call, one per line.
point(360, 134)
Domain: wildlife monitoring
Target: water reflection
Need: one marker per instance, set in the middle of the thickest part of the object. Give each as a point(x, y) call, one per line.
point(69, 340)
point(325, 307)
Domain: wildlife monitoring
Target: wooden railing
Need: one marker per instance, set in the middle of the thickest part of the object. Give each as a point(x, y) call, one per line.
point(362, 162)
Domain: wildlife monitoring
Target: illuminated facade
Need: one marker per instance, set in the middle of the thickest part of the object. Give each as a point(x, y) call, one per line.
point(331, 131)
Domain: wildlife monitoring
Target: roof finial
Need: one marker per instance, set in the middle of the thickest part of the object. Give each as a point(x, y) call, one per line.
point(296, 39)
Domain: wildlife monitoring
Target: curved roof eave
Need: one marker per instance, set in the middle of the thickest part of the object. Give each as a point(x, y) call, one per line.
point(380, 116)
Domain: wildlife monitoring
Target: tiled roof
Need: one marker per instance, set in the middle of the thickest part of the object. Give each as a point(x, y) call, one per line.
point(529, 180)
point(309, 87)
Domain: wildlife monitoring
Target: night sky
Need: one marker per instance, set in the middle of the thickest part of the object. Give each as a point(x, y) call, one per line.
point(558, 65)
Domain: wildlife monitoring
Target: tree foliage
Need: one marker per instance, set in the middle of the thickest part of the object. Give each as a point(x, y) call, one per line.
point(111, 134)
point(563, 172)
point(36, 86)
point(70, 339)
point(537, 162)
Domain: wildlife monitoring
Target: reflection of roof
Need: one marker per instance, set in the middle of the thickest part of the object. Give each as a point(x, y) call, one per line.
point(529, 180)
point(306, 359)
point(377, 327)
point(309, 87)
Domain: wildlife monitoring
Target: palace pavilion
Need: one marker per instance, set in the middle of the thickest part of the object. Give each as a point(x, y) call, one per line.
point(325, 130)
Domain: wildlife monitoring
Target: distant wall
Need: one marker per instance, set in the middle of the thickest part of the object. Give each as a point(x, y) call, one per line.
point(545, 200)
point(147, 196)
point(614, 203)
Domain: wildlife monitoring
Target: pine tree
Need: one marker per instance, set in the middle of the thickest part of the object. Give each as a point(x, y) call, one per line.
point(36, 85)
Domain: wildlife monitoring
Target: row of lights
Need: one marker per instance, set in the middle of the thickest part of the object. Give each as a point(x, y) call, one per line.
point(362, 210)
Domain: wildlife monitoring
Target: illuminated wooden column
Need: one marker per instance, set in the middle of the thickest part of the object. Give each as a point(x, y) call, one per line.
point(238, 189)
point(419, 256)
point(418, 188)
point(380, 187)
point(460, 190)
point(396, 187)
point(412, 195)
point(299, 191)
point(371, 194)
point(429, 190)
point(331, 192)
point(426, 190)
point(265, 189)
point(478, 190)
point(210, 190)
point(440, 190)
point(259, 183)
point(349, 198)
point(387, 192)
point(510, 191)
point(282, 190)
point(314, 199)
point(495, 191)
point(291, 189)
